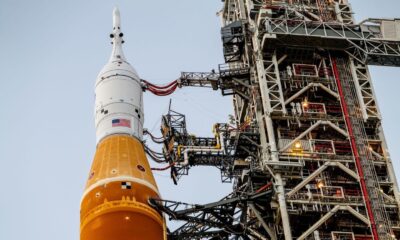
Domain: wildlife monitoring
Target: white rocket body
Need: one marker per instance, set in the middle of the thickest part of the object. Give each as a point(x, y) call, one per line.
point(118, 91)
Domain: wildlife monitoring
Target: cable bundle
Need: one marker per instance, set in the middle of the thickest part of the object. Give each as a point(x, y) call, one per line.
point(158, 140)
point(161, 90)
point(157, 157)
point(163, 168)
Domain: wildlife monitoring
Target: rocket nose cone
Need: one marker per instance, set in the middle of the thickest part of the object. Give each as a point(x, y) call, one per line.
point(116, 18)
point(116, 11)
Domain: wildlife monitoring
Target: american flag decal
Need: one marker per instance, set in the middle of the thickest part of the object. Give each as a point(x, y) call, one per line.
point(121, 123)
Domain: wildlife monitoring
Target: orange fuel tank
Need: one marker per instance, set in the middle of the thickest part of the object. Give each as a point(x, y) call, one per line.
point(115, 202)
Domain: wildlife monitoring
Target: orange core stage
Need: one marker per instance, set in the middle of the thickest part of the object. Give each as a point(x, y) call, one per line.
point(115, 201)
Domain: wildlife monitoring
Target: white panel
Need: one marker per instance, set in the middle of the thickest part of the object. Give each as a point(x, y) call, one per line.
point(389, 30)
point(119, 95)
point(397, 29)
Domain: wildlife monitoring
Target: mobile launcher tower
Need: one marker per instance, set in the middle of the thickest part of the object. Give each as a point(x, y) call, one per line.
point(307, 153)
point(305, 149)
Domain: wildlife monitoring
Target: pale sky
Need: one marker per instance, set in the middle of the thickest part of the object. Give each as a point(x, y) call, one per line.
point(51, 53)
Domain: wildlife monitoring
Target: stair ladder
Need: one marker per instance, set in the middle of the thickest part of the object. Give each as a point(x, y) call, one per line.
point(380, 223)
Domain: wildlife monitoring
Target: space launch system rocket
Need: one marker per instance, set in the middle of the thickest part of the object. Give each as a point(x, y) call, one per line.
point(115, 201)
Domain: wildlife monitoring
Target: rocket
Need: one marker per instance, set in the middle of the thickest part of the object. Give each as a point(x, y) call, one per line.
point(114, 204)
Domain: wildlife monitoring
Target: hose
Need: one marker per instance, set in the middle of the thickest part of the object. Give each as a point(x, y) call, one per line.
point(164, 168)
point(161, 90)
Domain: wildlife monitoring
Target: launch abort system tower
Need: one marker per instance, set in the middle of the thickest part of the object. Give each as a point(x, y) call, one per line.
point(306, 151)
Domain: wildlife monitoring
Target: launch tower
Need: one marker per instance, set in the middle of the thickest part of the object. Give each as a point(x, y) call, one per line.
point(306, 151)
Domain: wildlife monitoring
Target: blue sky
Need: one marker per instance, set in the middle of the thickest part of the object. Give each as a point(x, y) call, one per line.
point(51, 53)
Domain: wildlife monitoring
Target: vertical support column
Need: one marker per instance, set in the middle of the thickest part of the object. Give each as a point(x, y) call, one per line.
point(273, 82)
point(390, 168)
point(241, 12)
point(283, 207)
point(280, 189)
point(267, 108)
point(364, 88)
point(363, 108)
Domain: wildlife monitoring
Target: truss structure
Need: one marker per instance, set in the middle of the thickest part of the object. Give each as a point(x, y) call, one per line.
point(306, 151)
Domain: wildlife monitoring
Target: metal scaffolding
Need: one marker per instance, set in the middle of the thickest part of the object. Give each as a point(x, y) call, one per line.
point(305, 150)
